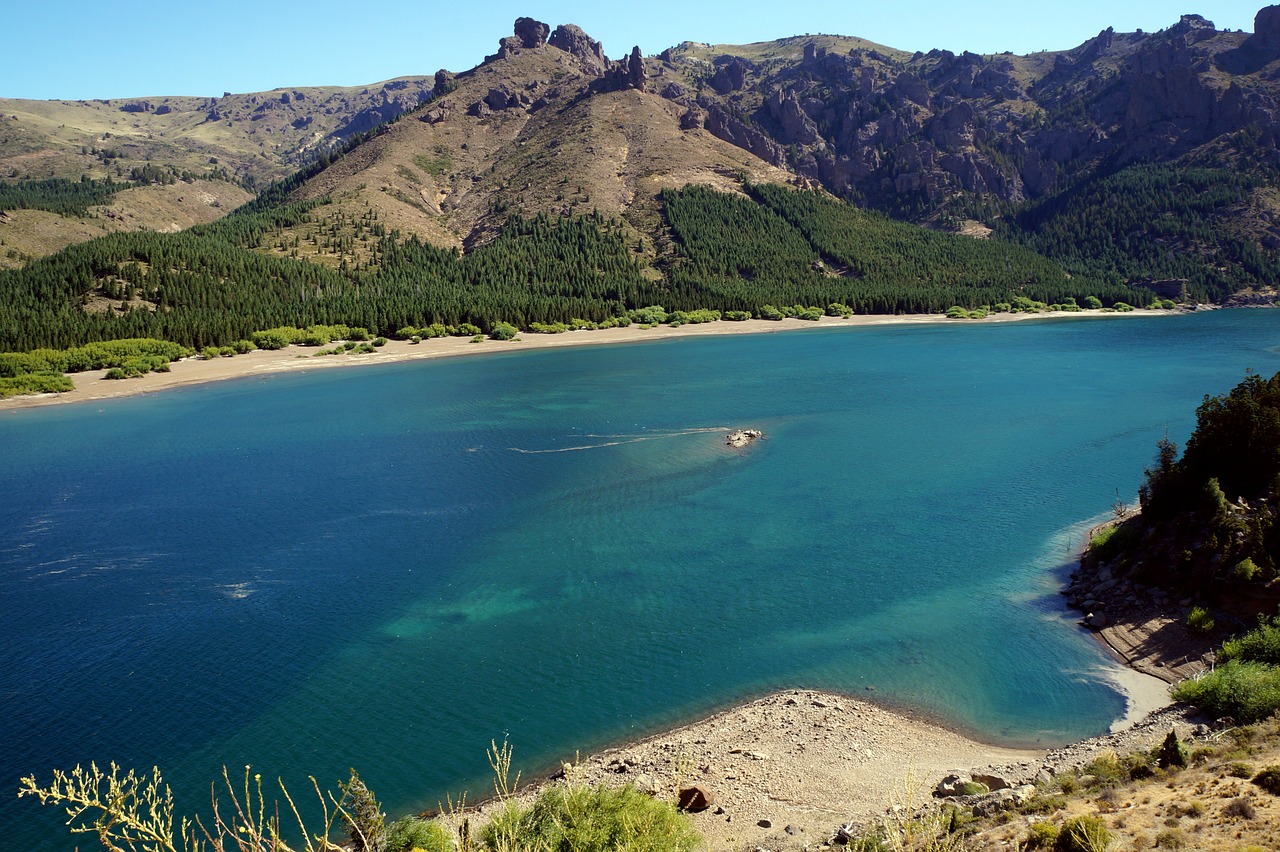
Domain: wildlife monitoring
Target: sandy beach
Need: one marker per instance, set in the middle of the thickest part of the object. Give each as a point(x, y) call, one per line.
point(91, 386)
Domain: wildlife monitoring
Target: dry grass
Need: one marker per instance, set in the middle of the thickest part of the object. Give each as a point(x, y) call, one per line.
point(1207, 806)
point(26, 234)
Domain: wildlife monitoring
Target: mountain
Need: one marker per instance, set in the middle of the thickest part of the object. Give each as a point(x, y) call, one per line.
point(232, 144)
point(551, 183)
point(256, 137)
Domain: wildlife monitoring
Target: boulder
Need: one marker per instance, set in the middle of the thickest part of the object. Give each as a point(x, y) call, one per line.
point(992, 782)
point(952, 785)
point(695, 799)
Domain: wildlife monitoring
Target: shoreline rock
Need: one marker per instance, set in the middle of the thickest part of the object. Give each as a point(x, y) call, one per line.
point(742, 437)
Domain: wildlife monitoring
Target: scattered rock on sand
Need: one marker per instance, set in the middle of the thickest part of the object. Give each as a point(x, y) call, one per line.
point(695, 799)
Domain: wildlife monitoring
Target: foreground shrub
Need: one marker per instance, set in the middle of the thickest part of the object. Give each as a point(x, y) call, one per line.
point(1041, 835)
point(410, 833)
point(1083, 834)
point(131, 811)
point(504, 331)
point(576, 817)
point(1247, 691)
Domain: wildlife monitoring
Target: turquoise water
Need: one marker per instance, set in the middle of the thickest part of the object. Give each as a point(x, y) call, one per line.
point(387, 568)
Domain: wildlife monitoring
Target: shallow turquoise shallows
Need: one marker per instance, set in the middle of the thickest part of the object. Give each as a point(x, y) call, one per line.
point(388, 568)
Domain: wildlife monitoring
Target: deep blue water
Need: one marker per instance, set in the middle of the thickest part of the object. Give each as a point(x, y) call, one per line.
point(387, 568)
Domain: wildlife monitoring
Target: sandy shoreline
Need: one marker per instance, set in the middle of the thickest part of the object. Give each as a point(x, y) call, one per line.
point(91, 386)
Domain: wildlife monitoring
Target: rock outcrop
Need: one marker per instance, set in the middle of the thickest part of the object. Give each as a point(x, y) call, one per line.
point(531, 33)
point(742, 437)
point(572, 40)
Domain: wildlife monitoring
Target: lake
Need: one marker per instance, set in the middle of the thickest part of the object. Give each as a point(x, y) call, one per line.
point(389, 568)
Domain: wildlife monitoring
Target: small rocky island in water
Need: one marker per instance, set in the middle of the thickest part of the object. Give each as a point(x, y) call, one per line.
point(742, 437)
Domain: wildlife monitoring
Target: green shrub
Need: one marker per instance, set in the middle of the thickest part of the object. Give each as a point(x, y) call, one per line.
point(1123, 307)
point(410, 833)
point(769, 312)
point(243, 346)
point(1269, 780)
point(574, 817)
point(957, 312)
point(35, 383)
point(358, 334)
point(415, 339)
point(405, 333)
point(274, 338)
point(1240, 770)
point(116, 373)
point(1083, 834)
point(652, 315)
point(1200, 620)
point(466, 329)
point(1041, 835)
point(839, 309)
point(973, 788)
point(1247, 691)
point(379, 341)
point(504, 331)
point(1246, 569)
point(1092, 302)
point(1260, 645)
point(737, 316)
point(1106, 769)
point(1170, 838)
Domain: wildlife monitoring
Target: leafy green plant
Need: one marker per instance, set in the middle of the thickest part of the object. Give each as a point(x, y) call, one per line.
point(1041, 835)
point(1200, 620)
point(412, 833)
point(1246, 691)
point(1261, 644)
point(577, 817)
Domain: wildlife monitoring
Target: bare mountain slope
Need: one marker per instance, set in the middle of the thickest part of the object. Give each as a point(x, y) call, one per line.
point(536, 128)
point(256, 137)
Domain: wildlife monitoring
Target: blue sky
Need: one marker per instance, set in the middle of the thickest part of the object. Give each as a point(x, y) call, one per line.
point(81, 49)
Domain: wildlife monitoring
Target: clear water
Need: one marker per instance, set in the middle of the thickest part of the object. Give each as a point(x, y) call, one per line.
point(388, 568)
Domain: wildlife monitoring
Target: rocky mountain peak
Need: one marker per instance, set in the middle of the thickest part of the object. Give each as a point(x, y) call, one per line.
point(572, 40)
point(531, 33)
point(1266, 30)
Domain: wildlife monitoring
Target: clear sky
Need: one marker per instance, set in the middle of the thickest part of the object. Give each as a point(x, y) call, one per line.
point(122, 48)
